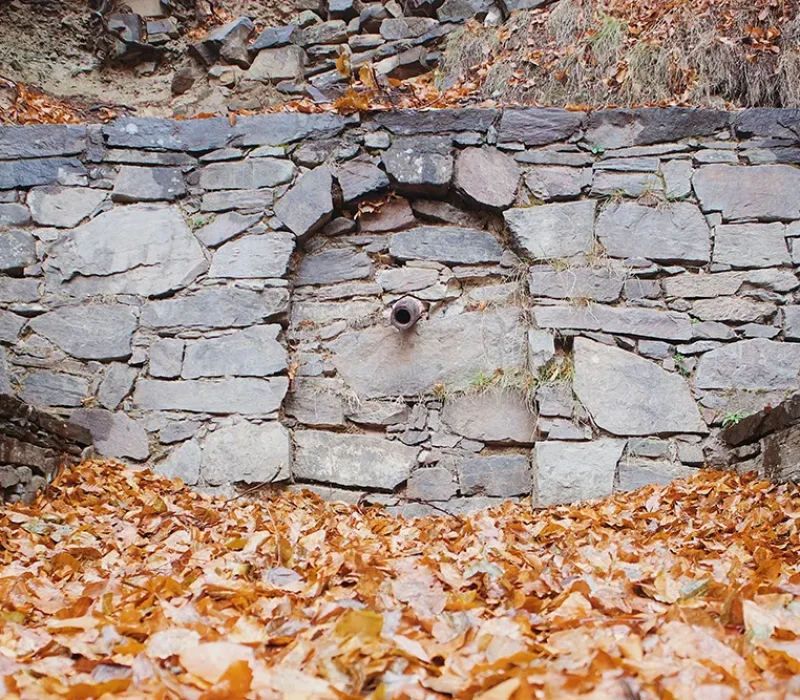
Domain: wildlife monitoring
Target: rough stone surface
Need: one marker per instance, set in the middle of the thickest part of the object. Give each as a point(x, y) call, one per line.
point(316, 402)
point(446, 244)
point(550, 183)
point(498, 475)
point(635, 474)
point(308, 206)
point(333, 265)
point(421, 166)
point(90, 332)
point(182, 463)
point(642, 323)
point(352, 460)
point(41, 141)
point(50, 389)
point(252, 352)
point(750, 245)
point(565, 472)
point(224, 227)
point(14, 215)
point(732, 309)
point(246, 174)
point(253, 256)
point(494, 417)
point(757, 364)
point(45, 171)
point(406, 279)
point(274, 65)
point(674, 233)
point(17, 250)
point(600, 284)
point(246, 452)
point(64, 207)
point(116, 385)
point(166, 358)
point(553, 230)
point(135, 184)
point(142, 249)
point(359, 179)
point(379, 362)
point(629, 395)
point(244, 396)
point(431, 484)
point(113, 434)
point(537, 127)
point(698, 286)
point(487, 177)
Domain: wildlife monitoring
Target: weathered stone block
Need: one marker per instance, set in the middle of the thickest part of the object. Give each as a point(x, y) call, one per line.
point(135, 184)
point(166, 358)
point(253, 352)
point(308, 206)
point(49, 389)
point(431, 484)
point(635, 474)
point(756, 364)
point(45, 171)
point(41, 141)
point(538, 126)
point(64, 207)
point(359, 179)
point(487, 177)
point(246, 174)
point(17, 250)
point(332, 266)
point(553, 230)
point(113, 434)
point(598, 284)
point(246, 452)
point(116, 385)
point(446, 244)
point(182, 463)
point(255, 256)
point(224, 227)
point(751, 245)
point(499, 475)
point(550, 183)
point(244, 396)
point(316, 402)
point(491, 416)
point(420, 166)
point(642, 323)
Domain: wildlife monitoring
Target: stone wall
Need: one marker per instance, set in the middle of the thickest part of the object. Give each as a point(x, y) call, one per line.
point(602, 292)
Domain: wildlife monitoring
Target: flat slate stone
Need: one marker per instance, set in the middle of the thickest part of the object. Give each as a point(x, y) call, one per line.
point(380, 362)
point(611, 184)
point(316, 402)
point(753, 365)
point(553, 182)
point(243, 396)
point(553, 230)
point(677, 176)
point(431, 484)
point(629, 395)
point(248, 200)
point(41, 141)
point(567, 472)
point(634, 474)
point(394, 215)
point(224, 227)
point(359, 179)
point(732, 309)
point(17, 250)
point(444, 213)
point(136, 184)
point(113, 434)
point(274, 65)
point(249, 174)
point(409, 122)
point(487, 177)
point(600, 284)
point(402, 280)
point(671, 233)
point(253, 257)
point(182, 463)
point(497, 475)
point(420, 166)
point(639, 322)
point(751, 245)
point(308, 206)
point(352, 460)
point(90, 331)
point(144, 249)
point(10, 326)
point(768, 122)
point(252, 352)
point(247, 453)
point(116, 385)
point(63, 207)
point(215, 308)
point(42, 171)
point(332, 266)
point(537, 126)
point(14, 290)
point(13, 214)
point(763, 192)
point(166, 358)
point(50, 389)
point(446, 244)
point(491, 416)
point(700, 286)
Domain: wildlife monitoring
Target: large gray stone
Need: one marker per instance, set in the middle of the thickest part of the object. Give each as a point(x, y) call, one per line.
point(116, 385)
point(252, 352)
point(352, 460)
point(247, 200)
point(255, 256)
point(691, 286)
point(45, 171)
point(10, 326)
point(537, 126)
point(13, 214)
point(672, 233)
point(245, 396)
point(431, 484)
point(639, 322)
point(496, 475)
point(246, 174)
point(753, 365)
point(359, 179)
point(64, 207)
point(182, 463)
point(332, 266)
point(246, 452)
point(216, 308)
point(629, 395)
point(17, 250)
point(677, 176)
point(791, 322)
point(599, 284)
point(41, 141)
point(308, 206)
point(553, 230)
point(491, 416)
point(409, 122)
point(274, 65)
point(316, 401)
point(420, 166)
point(143, 249)
point(91, 331)
point(13, 290)
point(224, 227)
point(751, 245)
point(487, 177)
point(377, 413)
point(113, 434)
point(764, 192)
point(612, 184)
point(166, 358)
point(446, 244)
point(49, 389)
point(634, 474)
point(402, 280)
point(566, 472)
point(556, 182)
point(732, 309)
point(452, 351)
point(135, 184)
point(768, 122)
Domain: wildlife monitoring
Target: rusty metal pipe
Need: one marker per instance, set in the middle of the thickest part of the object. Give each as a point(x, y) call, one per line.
point(406, 312)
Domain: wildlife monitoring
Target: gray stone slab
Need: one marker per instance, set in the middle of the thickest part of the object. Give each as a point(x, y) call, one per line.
point(677, 176)
point(14, 290)
point(402, 280)
point(41, 141)
point(537, 126)
point(252, 352)
point(116, 385)
point(635, 474)
point(377, 413)
point(359, 179)
point(753, 365)
point(629, 395)
point(491, 417)
point(639, 322)
point(113, 434)
point(253, 257)
point(275, 65)
point(732, 310)
point(751, 245)
point(137, 184)
point(671, 233)
point(791, 322)
point(567, 472)
point(498, 475)
point(249, 174)
point(487, 177)
point(10, 326)
point(431, 484)
point(316, 402)
point(14, 214)
point(611, 184)
point(551, 183)
point(599, 284)
point(44, 171)
point(64, 207)
point(182, 463)
point(553, 230)
point(243, 396)
point(409, 122)
point(247, 453)
point(332, 266)
point(246, 200)
point(17, 250)
point(699, 286)
point(446, 244)
point(166, 358)
point(420, 166)
point(90, 331)
point(347, 459)
point(50, 389)
point(308, 206)
point(224, 227)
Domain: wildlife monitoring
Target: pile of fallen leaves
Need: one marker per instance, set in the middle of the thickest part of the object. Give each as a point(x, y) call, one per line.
point(122, 583)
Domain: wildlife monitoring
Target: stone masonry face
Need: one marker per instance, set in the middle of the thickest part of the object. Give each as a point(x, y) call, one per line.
point(601, 293)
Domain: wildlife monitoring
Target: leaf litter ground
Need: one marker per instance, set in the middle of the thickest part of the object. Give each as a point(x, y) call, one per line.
point(122, 583)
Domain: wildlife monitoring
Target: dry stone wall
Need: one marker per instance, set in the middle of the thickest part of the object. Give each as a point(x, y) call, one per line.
point(602, 293)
